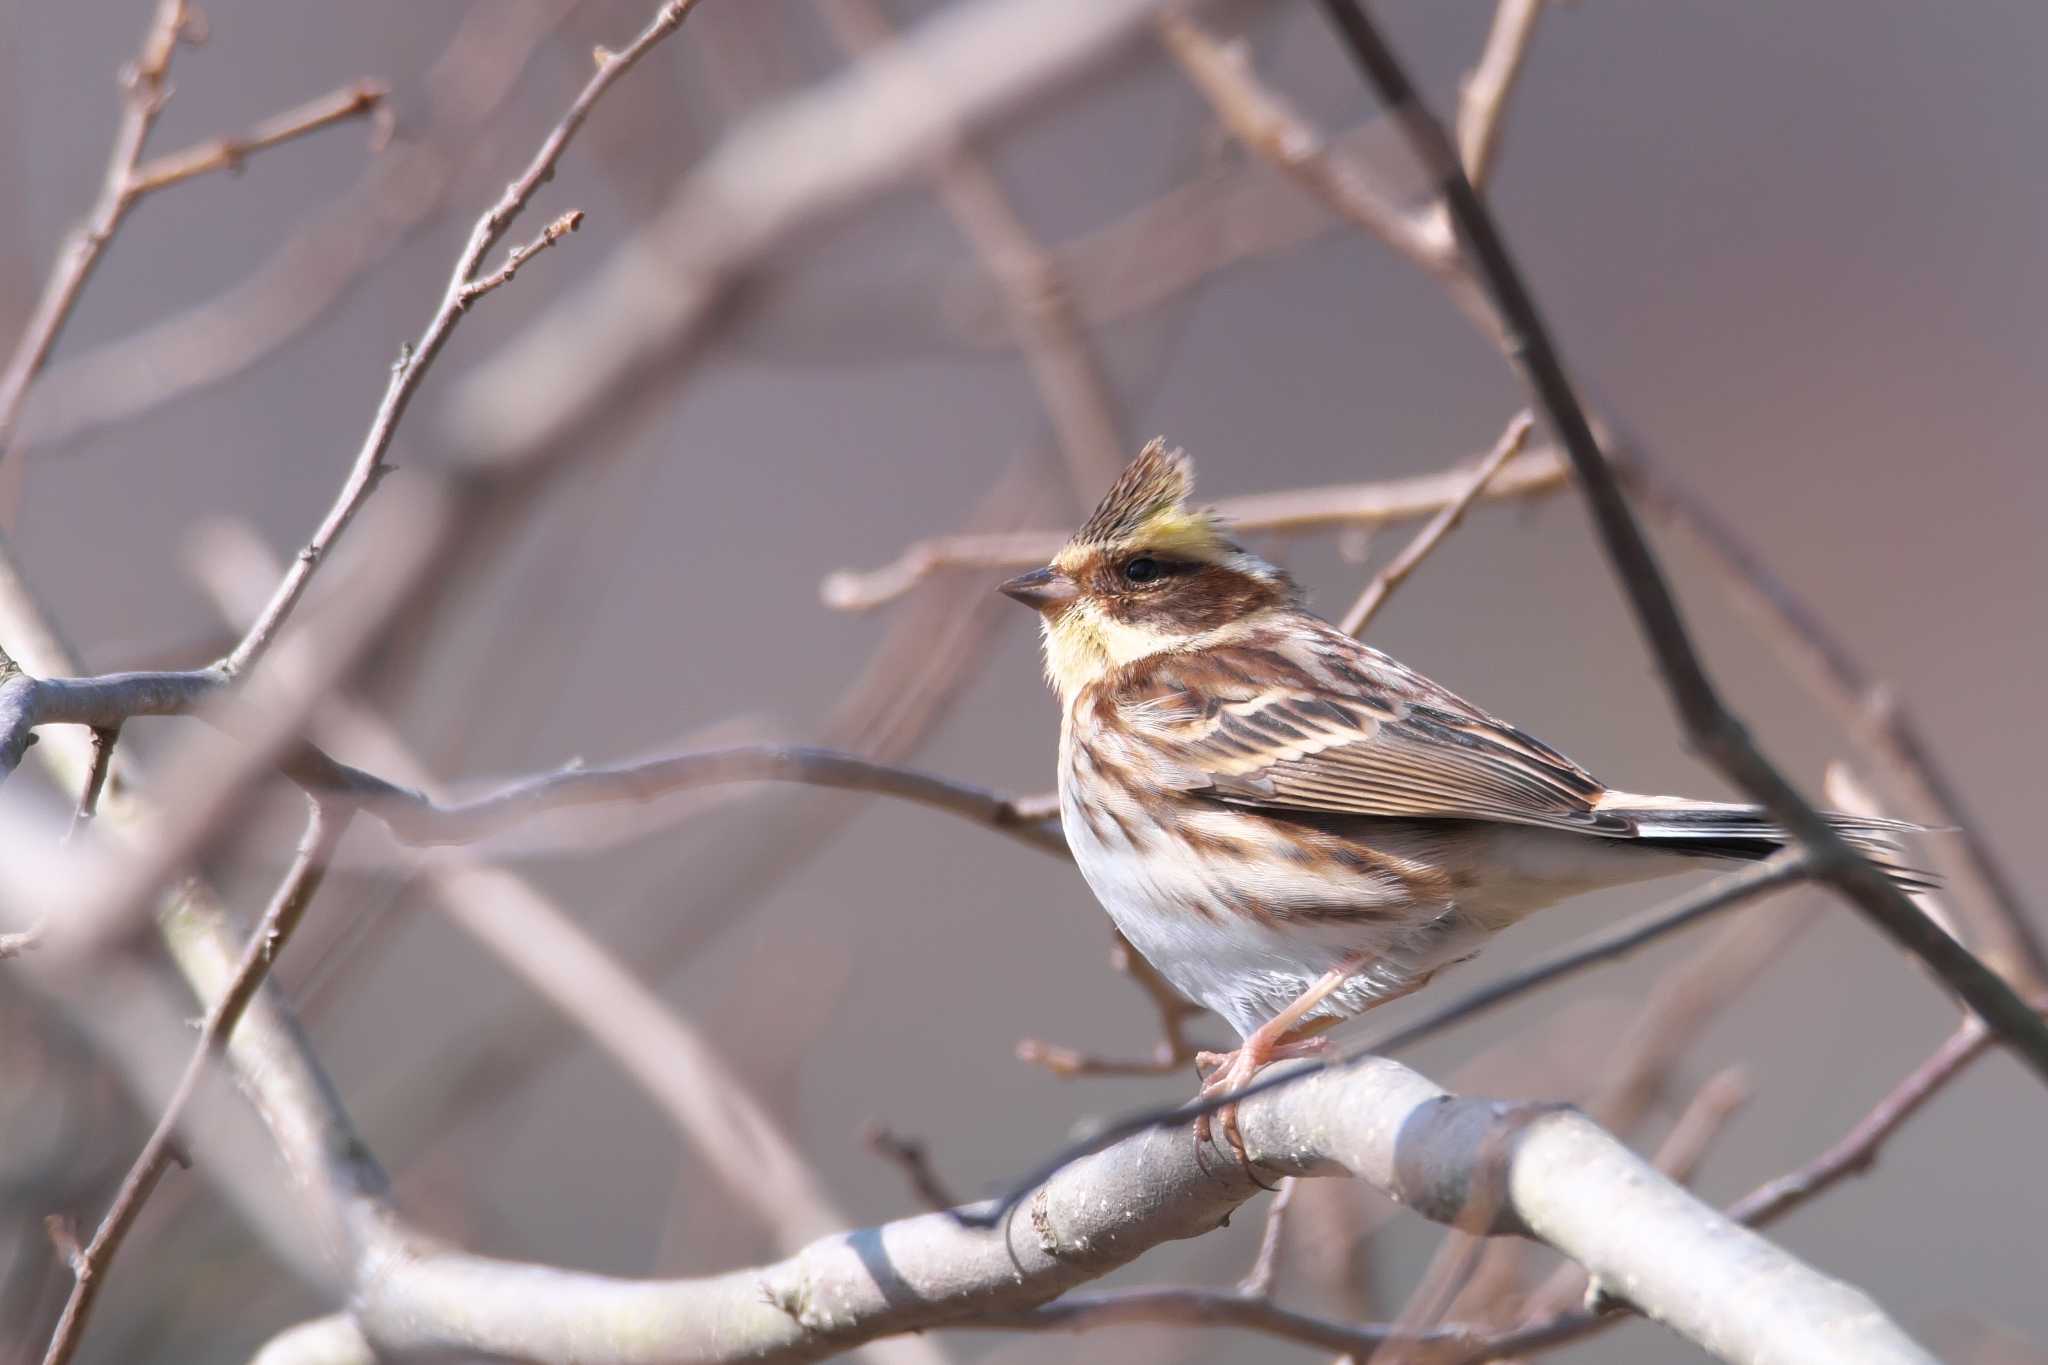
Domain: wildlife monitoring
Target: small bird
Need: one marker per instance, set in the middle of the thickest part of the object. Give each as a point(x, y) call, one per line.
point(1290, 825)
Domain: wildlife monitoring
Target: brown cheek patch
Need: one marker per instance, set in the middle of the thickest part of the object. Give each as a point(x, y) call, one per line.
point(1209, 597)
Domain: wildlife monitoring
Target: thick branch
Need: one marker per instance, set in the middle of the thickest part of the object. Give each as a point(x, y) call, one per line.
point(1564, 1181)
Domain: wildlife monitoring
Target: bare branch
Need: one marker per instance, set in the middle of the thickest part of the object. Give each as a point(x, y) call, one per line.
point(1036, 302)
point(1265, 122)
point(417, 357)
point(1565, 1181)
point(146, 88)
point(911, 1157)
point(1483, 98)
point(1174, 1051)
point(1858, 1148)
point(1533, 474)
point(301, 882)
point(1442, 524)
point(1708, 722)
point(402, 188)
point(228, 153)
point(2000, 923)
point(519, 255)
point(1258, 1280)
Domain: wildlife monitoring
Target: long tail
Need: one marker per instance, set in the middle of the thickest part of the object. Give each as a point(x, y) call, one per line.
point(1712, 829)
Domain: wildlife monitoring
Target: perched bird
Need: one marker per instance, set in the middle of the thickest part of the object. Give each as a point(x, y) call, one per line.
point(1288, 824)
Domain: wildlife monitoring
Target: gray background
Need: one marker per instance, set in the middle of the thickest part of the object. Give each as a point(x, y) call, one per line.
point(1802, 250)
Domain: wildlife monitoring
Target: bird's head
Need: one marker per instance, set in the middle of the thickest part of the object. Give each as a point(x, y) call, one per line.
point(1146, 574)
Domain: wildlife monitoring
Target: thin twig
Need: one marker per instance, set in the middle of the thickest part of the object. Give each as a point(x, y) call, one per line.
point(301, 882)
point(1173, 1052)
point(913, 1158)
point(145, 89)
point(1707, 721)
point(1258, 1280)
point(1442, 524)
point(1266, 123)
point(228, 153)
point(417, 357)
point(1535, 474)
point(1983, 889)
point(1483, 98)
point(1858, 1148)
point(104, 737)
point(519, 255)
point(308, 272)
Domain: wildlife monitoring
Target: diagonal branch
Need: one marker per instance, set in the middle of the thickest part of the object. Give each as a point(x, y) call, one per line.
point(1707, 721)
point(1442, 524)
point(301, 882)
point(1983, 888)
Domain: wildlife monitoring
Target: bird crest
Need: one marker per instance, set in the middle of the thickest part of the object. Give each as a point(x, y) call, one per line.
point(1147, 506)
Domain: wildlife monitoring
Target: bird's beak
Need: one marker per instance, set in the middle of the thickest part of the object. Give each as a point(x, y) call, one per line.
point(1042, 589)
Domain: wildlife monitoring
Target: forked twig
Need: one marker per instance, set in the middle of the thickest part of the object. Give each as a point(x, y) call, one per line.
point(145, 89)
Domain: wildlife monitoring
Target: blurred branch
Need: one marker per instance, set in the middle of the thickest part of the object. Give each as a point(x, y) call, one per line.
point(229, 153)
point(912, 1158)
point(1532, 474)
point(1195, 1308)
point(89, 1267)
point(1263, 120)
point(1174, 1052)
point(406, 185)
point(1997, 915)
point(1037, 304)
point(145, 90)
point(1483, 98)
point(417, 357)
point(1442, 524)
point(802, 159)
point(1858, 1148)
point(1708, 723)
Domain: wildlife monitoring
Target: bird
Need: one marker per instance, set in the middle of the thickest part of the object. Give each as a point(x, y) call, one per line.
point(1291, 826)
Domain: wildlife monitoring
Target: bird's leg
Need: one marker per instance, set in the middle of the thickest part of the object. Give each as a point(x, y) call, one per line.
point(1280, 1038)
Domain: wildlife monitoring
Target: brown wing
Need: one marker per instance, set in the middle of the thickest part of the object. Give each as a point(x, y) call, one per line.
point(1314, 721)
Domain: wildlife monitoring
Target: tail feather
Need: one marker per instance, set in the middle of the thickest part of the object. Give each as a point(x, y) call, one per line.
point(1709, 829)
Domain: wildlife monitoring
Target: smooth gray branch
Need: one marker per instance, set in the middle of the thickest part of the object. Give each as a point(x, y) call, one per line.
point(1563, 1180)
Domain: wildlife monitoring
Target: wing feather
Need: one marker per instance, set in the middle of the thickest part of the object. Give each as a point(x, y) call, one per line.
point(1314, 721)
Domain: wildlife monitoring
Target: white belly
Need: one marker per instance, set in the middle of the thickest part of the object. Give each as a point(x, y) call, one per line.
point(1243, 968)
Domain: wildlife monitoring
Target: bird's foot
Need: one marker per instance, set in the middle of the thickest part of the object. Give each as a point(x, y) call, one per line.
point(1226, 1072)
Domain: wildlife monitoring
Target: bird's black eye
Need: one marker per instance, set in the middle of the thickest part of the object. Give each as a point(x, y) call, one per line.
point(1143, 569)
